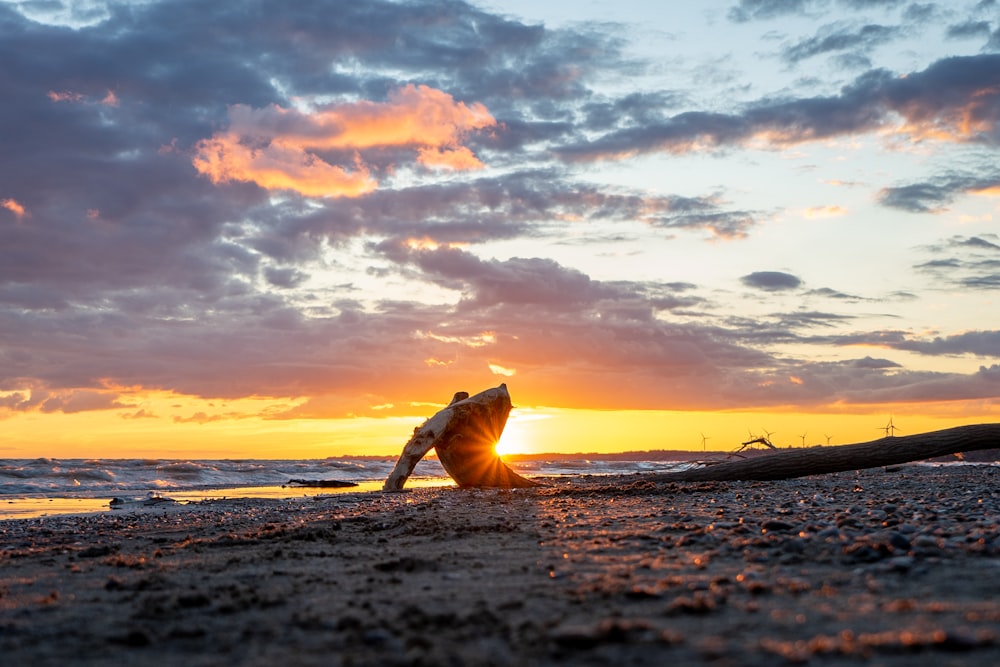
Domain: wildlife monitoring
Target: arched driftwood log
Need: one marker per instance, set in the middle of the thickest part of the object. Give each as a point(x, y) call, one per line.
point(464, 435)
point(791, 463)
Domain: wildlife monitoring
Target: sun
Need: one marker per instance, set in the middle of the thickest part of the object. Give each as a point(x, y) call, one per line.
point(510, 442)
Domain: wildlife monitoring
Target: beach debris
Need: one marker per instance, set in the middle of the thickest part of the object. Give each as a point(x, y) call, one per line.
point(464, 435)
point(818, 460)
point(151, 499)
point(321, 483)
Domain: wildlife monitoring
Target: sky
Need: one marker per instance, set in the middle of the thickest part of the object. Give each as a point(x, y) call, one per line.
point(262, 229)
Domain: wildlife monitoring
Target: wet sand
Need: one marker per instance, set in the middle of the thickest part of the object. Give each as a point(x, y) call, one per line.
point(878, 567)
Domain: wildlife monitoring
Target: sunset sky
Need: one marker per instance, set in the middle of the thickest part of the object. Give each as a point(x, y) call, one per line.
point(294, 229)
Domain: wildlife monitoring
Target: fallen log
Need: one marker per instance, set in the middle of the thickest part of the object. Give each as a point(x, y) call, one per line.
point(818, 460)
point(464, 435)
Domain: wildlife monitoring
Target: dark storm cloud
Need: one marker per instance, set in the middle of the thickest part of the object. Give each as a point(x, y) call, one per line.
point(771, 281)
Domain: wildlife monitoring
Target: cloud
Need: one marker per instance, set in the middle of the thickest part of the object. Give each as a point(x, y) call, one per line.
point(81, 400)
point(955, 99)
point(771, 281)
point(280, 149)
point(934, 196)
point(978, 343)
point(977, 243)
point(757, 10)
point(517, 281)
point(210, 196)
point(969, 30)
point(811, 319)
point(911, 386)
point(839, 37)
point(14, 207)
point(830, 211)
point(918, 197)
point(973, 262)
point(831, 293)
point(869, 362)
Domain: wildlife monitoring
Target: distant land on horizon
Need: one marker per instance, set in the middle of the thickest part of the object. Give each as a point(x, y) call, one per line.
point(983, 456)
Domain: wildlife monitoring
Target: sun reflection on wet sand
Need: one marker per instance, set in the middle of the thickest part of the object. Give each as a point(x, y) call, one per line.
point(34, 507)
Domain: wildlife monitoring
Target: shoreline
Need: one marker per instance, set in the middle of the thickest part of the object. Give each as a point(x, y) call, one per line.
point(900, 566)
point(38, 506)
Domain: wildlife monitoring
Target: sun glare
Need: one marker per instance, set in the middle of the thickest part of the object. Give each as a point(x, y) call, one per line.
point(509, 443)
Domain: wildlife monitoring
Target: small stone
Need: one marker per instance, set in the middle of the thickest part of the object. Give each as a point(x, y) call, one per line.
point(379, 637)
point(899, 542)
point(775, 525)
point(900, 563)
point(794, 546)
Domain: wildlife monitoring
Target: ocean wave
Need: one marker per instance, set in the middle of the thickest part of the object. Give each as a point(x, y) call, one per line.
point(95, 478)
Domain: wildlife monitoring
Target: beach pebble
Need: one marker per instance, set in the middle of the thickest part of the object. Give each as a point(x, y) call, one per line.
point(899, 542)
point(776, 525)
point(899, 563)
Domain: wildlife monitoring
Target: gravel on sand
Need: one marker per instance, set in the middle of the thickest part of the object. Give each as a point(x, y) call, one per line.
point(887, 567)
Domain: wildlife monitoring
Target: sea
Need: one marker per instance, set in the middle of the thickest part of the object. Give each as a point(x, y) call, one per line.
point(31, 488)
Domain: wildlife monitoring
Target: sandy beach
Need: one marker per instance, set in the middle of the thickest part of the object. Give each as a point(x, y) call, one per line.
point(881, 567)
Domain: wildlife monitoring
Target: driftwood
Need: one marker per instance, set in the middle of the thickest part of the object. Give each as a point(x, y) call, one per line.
point(321, 483)
point(818, 460)
point(464, 435)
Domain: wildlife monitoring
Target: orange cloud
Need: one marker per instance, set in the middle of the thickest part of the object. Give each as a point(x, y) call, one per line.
point(497, 369)
point(277, 148)
point(988, 191)
point(225, 158)
point(65, 96)
point(13, 206)
point(958, 123)
point(814, 212)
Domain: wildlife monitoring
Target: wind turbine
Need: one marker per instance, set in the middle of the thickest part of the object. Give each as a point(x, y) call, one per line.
point(767, 437)
point(703, 439)
point(890, 429)
point(803, 436)
point(827, 438)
